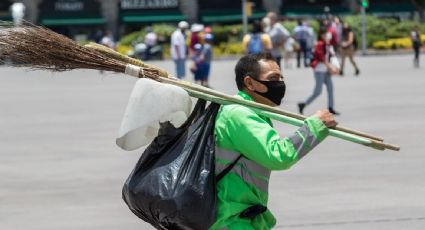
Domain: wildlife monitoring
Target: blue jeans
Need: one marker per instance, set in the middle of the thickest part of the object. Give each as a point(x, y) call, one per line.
point(199, 73)
point(303, 49)
point(180, 67)
point(322, 78)
point(207, 67)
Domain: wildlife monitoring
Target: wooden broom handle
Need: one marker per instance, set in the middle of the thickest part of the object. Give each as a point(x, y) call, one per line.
point(166, 77)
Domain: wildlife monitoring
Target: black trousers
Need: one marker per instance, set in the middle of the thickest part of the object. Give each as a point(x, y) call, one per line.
point(416, 48)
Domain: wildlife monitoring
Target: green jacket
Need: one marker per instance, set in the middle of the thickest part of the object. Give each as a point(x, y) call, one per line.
point(239, 130)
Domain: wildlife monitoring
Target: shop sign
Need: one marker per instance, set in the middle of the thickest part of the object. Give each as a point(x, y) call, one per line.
point(69, 5)
point(148, 4)
point(66, 8)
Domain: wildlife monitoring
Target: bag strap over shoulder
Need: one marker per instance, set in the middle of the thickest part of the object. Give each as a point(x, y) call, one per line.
point(227, 169)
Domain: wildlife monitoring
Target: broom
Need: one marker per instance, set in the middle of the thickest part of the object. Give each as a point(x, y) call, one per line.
point(271, 112)
point(36, 47)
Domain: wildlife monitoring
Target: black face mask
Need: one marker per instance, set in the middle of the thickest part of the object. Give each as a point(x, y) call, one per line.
point(276, 90)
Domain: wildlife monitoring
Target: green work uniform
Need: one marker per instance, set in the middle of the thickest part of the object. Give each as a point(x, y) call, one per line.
point(239, 130)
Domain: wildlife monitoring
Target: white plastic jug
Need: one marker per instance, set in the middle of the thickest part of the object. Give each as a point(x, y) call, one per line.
point(150, 103)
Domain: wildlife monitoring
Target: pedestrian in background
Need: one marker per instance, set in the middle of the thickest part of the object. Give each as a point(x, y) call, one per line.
point(198, 66)
point(178, 49)
point(290, 47)
point(195, 37)
point(266, 24)
point(257, 41)
point(301, 34)
point(323, 71)
point(151, 39)
point(207, 53)
point(18, 10)
point(348, 48)
point(338, 27)
point(108, 40)
point(415, 36)
point(327, 23)
point(278, 35)
point(310, 41)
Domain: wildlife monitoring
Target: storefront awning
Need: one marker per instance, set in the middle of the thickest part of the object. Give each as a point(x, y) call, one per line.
point(391, 8)
point(72, 21)
point(307, 7)
point(5, 16)
point(296, 11)
point(229, 17)
point(211, 16)
point(152, 18)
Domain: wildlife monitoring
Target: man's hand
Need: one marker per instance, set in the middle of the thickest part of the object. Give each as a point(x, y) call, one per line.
point(326, 117)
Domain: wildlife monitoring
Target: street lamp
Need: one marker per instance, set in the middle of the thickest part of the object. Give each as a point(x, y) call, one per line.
point(244, 17)
point(246, 12)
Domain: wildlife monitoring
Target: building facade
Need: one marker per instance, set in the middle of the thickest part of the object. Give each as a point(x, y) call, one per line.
point(72, 16)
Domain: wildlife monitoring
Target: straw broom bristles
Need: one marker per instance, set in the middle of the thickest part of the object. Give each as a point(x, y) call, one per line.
point(39, 48)
point(36, 47)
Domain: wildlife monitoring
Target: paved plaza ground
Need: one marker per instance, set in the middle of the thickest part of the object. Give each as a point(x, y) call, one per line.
point(60, 167)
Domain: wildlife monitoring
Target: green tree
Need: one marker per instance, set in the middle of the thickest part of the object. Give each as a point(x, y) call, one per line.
point(420, 7)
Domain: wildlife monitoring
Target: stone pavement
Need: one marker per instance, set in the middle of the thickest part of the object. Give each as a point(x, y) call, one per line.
point(60, 167)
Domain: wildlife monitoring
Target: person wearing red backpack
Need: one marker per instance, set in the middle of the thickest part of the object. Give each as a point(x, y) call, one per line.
point(323, 70)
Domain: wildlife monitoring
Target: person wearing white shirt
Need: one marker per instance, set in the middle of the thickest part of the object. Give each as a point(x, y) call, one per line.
point(289, 52)
point(278, 35)
point(178, 49)
point(108, 40)
point(150, 38)
point(18, 13)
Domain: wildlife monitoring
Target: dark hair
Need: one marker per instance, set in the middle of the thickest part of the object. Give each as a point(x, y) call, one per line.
point(257, 27)
point(299, 22)
point(322, 30)
point(346, 30)
point(249, 65)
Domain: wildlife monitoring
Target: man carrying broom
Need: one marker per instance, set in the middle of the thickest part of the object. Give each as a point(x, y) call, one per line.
point(241, 132)
point(244, 138)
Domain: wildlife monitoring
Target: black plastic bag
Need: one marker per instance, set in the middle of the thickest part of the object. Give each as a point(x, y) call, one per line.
point(173, 183)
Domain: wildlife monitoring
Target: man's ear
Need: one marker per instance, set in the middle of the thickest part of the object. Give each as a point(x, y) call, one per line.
point(248, 83)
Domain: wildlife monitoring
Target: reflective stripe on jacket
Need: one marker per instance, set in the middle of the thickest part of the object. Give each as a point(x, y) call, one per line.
point(249, 171)
point(239, 130)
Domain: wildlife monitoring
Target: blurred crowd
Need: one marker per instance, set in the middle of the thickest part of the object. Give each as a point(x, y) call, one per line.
point(291, 49)
point(194, 42)
point(325, 53)
point(271, 36)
